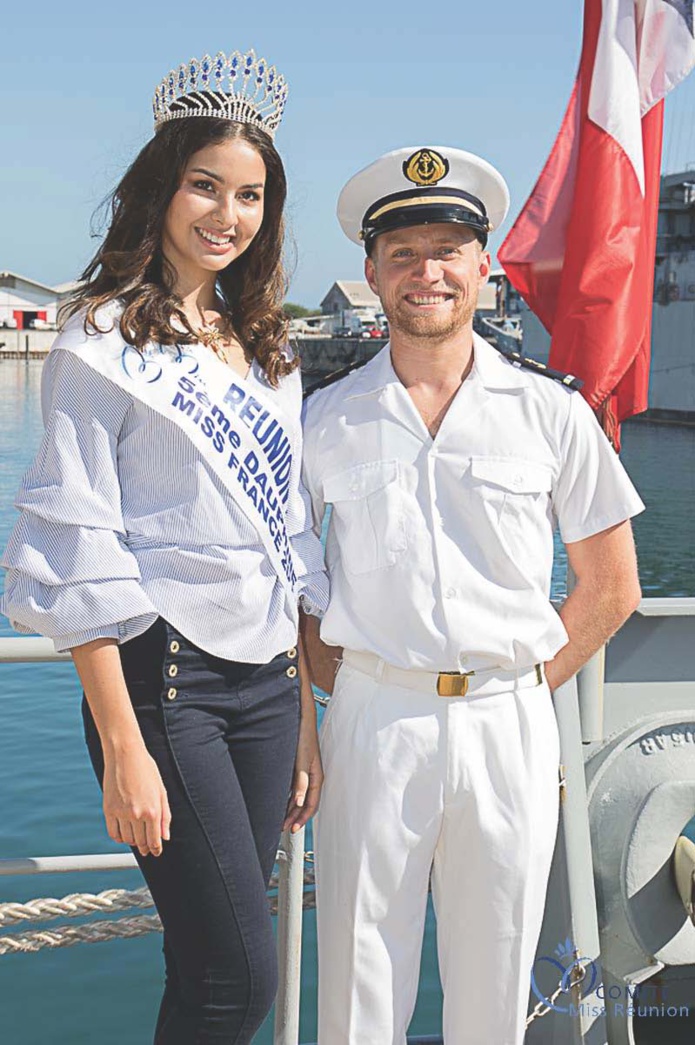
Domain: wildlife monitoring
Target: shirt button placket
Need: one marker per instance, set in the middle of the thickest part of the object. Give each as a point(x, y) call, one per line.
point(448, 592)
point(437, 519)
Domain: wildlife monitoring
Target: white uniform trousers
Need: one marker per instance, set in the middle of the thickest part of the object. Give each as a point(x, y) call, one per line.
point(466, 787)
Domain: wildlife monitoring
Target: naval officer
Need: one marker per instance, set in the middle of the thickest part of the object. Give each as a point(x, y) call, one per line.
point(447, 467)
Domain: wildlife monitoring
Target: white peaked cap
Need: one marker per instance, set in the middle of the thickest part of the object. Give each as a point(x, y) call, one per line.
point(421, 185)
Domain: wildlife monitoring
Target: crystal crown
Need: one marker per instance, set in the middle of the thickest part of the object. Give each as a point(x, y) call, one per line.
point(237, 87)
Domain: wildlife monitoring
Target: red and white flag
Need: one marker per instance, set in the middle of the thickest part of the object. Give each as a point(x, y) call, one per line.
point(581, 252)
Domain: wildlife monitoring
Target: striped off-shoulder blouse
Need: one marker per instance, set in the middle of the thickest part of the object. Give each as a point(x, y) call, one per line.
point(122, 520)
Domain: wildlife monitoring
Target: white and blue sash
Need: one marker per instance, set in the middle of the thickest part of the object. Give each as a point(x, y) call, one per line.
point(240, 433)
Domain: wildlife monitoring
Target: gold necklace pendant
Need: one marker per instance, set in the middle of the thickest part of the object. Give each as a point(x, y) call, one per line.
point(219, 341)
point(213, 338)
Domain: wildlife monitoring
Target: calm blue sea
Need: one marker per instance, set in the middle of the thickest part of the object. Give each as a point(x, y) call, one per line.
point(108, 993)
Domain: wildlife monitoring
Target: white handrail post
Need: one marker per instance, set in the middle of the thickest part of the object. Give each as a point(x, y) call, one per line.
point(290, 903)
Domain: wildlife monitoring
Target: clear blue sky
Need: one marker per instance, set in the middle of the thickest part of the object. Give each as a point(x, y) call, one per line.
point(77, 80)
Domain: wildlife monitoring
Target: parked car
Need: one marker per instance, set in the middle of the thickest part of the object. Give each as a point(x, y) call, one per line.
point(345, 332)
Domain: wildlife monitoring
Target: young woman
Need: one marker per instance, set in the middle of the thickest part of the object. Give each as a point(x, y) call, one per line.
point(165, 538)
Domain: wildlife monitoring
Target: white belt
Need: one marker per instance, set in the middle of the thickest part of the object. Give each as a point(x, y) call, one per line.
point(444, 683)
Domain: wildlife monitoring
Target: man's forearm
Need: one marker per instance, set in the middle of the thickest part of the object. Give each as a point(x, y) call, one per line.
point(607, 592)
point(322, 660)
point(590, 617)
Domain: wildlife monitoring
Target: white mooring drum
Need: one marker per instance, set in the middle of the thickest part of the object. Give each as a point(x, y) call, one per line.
point(641, 792)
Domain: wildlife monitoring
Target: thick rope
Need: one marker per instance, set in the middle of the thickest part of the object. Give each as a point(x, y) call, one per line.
point(67, 935)
point(78, 904)
point(73, 906)
point(100, 931)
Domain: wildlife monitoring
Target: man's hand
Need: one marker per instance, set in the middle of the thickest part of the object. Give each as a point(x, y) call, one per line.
point(606, 593)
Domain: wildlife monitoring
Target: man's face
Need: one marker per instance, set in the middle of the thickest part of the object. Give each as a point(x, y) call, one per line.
point(428, 278)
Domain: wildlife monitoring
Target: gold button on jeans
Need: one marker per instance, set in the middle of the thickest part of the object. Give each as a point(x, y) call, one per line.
point(292, 653)
point(173, 671)
point(174, 647)
point(171, 694)
point(291, 671)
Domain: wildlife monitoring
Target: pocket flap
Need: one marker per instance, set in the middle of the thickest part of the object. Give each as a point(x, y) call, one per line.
point(512, 473)
point(355, 483)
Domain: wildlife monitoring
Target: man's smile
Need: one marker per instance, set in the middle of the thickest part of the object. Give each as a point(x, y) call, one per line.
point(428, 300)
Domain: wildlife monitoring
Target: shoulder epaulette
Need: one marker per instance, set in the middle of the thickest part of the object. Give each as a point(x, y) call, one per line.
point(568, 380)
point(515, 358)
point(337, 375)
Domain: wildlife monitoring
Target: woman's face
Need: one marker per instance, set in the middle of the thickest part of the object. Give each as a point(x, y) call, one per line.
point(216, 211)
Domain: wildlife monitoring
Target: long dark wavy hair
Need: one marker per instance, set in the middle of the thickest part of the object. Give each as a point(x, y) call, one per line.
point(131, 268)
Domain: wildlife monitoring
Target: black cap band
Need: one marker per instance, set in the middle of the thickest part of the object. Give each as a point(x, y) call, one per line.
point(425, 207)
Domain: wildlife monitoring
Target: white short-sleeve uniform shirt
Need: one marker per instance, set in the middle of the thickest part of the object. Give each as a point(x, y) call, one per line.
point(440, 550)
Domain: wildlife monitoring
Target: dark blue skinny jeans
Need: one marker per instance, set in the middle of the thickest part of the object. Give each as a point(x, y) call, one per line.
point(224, 737)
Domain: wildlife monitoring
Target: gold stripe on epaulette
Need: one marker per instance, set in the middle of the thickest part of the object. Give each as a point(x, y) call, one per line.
point(517, 360)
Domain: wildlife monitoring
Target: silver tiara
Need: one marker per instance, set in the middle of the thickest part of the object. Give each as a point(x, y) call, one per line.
point(240, 87)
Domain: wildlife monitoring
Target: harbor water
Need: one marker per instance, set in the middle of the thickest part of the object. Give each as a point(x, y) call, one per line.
point(108, 993)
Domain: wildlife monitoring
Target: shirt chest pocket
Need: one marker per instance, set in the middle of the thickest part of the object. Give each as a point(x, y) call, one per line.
point(511, 486)
point(368, 516)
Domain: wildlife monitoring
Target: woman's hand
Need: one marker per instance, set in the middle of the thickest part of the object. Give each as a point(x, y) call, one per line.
point(135, 802)
point(136, 807)
point(308, 775)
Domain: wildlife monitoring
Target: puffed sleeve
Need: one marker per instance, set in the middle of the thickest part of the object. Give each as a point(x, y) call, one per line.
point(593, 491)
point(70, 575)
point(306, 545)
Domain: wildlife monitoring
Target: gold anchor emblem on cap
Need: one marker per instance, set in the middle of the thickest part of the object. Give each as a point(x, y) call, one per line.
point(426, 167)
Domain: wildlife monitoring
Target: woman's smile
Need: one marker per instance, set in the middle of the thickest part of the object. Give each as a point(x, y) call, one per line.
point(218, 243)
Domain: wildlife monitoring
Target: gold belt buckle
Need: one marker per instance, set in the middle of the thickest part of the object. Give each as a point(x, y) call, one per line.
point(452, 683)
